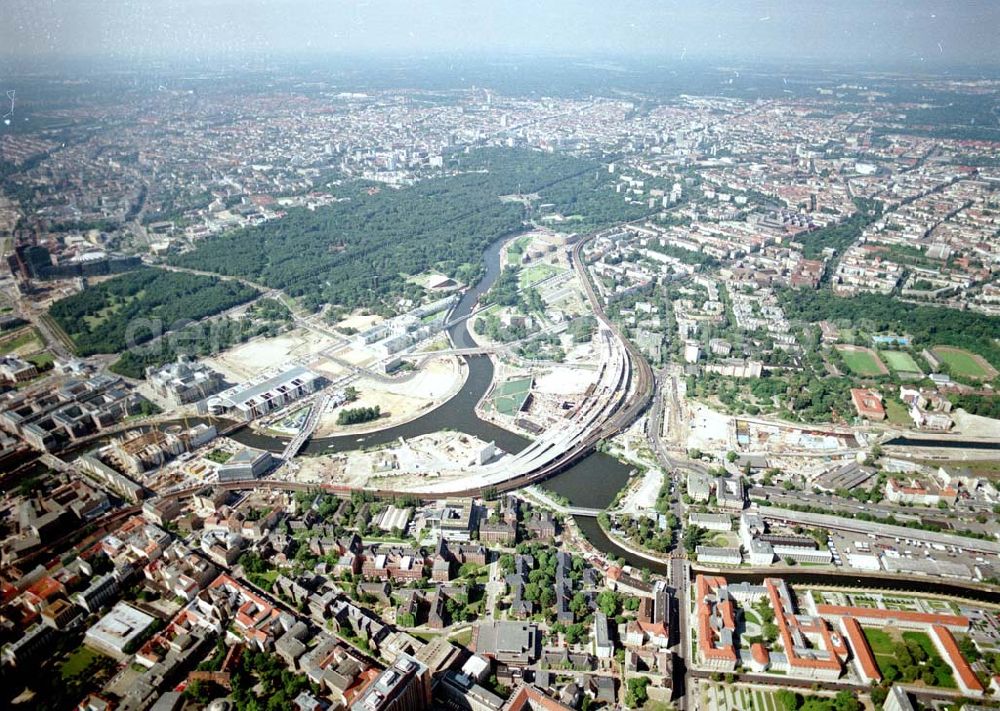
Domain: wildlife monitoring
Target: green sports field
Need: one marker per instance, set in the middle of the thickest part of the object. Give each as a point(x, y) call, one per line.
point(862, 361)
point(508, 398)
point(964, 364)
point(900, 362)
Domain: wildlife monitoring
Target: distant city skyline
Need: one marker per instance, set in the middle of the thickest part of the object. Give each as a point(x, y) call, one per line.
point(896, 32)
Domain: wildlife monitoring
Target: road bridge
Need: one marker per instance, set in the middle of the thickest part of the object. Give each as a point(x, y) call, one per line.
point(316, 409)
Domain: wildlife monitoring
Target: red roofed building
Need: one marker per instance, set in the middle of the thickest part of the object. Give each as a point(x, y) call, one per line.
point(760, 658)
point(915, 492)
point(895, 618)
point(945, 642)
point(868, 404)
point(43, 590)
point(528, 698)
point(253, 616)
point(812, 650)
point(716, 623)
point(864, 660)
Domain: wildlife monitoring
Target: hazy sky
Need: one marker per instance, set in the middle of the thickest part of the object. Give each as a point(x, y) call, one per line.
point(875, 31)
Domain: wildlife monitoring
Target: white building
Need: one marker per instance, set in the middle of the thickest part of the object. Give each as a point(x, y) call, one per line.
point(751, 526)
point(251, 402)
point(184, 381)
point(719, 556)
point(116, 631)
point(603, 646)
point(711, 522)
point(898, 700)
point(801, 554)
point(699, 485)
point(864, 561)
point(692, 351)
point(760, 552)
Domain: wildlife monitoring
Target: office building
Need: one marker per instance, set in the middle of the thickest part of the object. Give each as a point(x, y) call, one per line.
point(405, 686)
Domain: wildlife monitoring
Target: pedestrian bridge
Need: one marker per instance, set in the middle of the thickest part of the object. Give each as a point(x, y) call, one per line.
point(577, 511)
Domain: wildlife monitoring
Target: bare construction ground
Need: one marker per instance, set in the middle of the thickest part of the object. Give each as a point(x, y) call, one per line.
point(975, 425)
point(249, 360)
point(441, 456)
point(435, 382)
point(358, 321)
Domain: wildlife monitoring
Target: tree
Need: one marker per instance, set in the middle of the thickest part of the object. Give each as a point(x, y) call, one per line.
point(845, 701)
point(201, 691)
point(786, 700)
point(890, 672)
point(506, 563)
point(607, 602)
point(636, 695)
point(693, 536)
point(357, 415)
point(916, 651)
point(573, 633)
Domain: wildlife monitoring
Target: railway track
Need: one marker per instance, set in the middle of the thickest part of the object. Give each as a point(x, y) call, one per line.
point(636, 387)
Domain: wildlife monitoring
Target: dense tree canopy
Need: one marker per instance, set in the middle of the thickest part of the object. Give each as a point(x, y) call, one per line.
point(358, 251)
point(875, 313)
point(105, 317)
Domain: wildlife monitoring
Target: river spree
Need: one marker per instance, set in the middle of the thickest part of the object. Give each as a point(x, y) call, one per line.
point(592, 482)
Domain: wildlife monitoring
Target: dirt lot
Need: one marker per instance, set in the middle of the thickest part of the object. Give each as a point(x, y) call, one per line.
point(248, 360)
point(402, 400)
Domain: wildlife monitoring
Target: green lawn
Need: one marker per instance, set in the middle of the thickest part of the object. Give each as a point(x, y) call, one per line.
point(509, 397)
point(42, 360)
point(897, 412)
point(879, 641)
point(862, 362)
point(962, 363)
point(219, 456)
point(517, 247)
point(79, 661)
point(900, 361)
point(264, 580)
point(536, 273)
